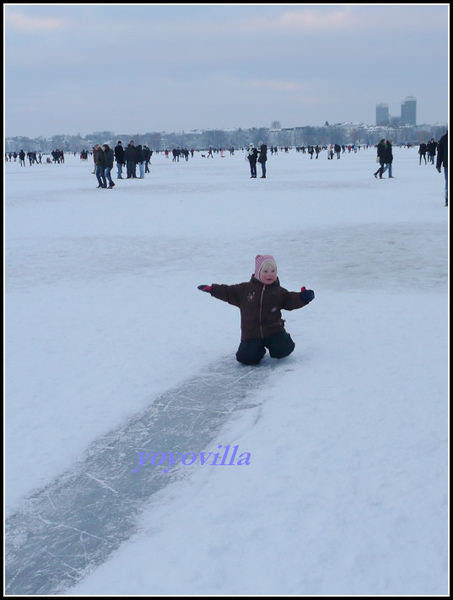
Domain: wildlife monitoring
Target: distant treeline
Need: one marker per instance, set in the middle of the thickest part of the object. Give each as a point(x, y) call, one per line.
point(344, 133)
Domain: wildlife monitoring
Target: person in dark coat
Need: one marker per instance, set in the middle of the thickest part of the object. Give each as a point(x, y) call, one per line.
point(252, 156)
point(130, 156)
point(147, 153)
point(120, 160)
point(260, 301)
point(381, 155)
point(388, 158)
point(140, 160)
point(422, 151)
point(442, 161)
point(99, 163)
point(262, 159)
point(108, 157)
point(431, 146)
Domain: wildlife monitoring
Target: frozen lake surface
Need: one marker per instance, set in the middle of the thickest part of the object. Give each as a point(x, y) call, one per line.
point(112, 353)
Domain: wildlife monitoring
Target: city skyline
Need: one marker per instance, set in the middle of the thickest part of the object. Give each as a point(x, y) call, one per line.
point(408, 113)
point(188, 67)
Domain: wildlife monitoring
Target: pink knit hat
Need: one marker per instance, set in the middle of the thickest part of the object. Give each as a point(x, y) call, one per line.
point(260, 259)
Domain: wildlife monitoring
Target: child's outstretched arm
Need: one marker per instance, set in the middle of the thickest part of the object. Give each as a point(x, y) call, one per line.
point(228, 293)
point(293, 300)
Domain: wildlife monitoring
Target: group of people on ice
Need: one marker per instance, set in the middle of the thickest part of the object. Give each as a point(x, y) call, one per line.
point(103, 164)
point(384, 158)
point(253, 155)
point(427, 149)
point(32, 156)
point(133, 156)
point(130, 157)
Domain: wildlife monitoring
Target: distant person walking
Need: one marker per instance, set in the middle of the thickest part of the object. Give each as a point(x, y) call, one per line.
point(381, 153)
point(422, 152)
point(99, 163)
point(147, 153)
point(442, 161)
point(252, 156)
point(388, 158)
point(108, 158)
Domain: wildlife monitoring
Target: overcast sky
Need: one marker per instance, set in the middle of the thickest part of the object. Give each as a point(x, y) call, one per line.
point(79, 68)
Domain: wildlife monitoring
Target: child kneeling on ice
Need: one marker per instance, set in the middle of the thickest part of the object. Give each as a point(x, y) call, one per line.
point(260, 301)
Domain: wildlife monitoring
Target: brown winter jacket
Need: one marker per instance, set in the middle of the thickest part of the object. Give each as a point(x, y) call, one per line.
point(260, 305)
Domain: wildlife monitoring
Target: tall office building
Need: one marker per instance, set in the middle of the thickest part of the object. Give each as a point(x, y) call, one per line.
point(382, 114)
point(409, 111)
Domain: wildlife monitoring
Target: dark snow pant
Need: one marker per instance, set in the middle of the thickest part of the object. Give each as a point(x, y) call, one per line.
point(250, 352)
point(252, 169)
point(131, 169)
point(100, 176)
point(380, 171)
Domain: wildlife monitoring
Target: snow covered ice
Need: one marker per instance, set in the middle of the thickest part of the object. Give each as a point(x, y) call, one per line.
point(347, 488)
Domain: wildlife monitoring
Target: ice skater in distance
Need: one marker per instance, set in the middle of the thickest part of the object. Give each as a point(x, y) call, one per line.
point(260, 301)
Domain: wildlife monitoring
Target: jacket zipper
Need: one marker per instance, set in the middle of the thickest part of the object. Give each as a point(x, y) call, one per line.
point(261, 312)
